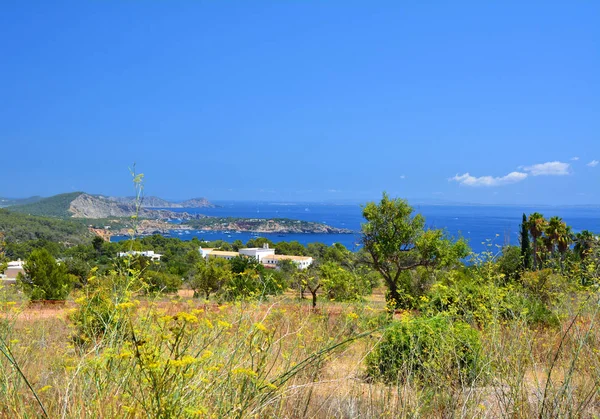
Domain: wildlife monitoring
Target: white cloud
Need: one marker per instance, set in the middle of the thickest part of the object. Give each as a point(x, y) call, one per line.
point(469, 180)
point(402, 176)
point(593, 163)
point(574, 158)
point(552, 168)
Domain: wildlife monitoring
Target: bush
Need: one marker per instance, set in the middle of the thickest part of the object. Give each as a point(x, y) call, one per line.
point(44, 278)
point(426, 349)
point(161, 282)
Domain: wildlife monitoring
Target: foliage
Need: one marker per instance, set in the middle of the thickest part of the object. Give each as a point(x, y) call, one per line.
point(525, 244)
point(427, 348)
point(44, 278)
point(343, 285)
point(158, 281)
point(397, 242)
point(19, 228)
point(209, 276)
point(252, 284)
point(54, 206)
point(510, 263)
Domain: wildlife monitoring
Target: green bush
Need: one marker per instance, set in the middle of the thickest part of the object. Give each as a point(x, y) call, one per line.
point(426, 349)
point(44, 278)
point(102, 308)
point(161, 282)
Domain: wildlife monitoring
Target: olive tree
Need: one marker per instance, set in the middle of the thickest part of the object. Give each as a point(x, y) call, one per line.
point(209, 276)
point(397, 241)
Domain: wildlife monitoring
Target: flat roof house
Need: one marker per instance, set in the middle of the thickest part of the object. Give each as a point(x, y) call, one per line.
point(147, 253)
point(13, 270)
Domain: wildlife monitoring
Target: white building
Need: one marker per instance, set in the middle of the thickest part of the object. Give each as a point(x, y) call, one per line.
point(258, 253)
point(263, 255)
point(221, 254)
point(302, 262)
point(13, 270)
point(147, 253)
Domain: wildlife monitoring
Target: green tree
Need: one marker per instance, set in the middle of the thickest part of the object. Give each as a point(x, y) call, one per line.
point(563, 243)
point(309, 279)
point(536, 225)
point(525, 244)
point(209, 276)
point(398, 242)
point(584, 242)
point(44, 278)
point(343, 285)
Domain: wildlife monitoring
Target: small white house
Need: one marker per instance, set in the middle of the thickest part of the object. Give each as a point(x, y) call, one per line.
point(147, 253)
point(13, 270)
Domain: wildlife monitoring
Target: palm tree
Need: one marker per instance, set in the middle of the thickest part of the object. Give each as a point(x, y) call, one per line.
point(584, 241)
point(553, 231)
point(536, 224)
point(564, 240)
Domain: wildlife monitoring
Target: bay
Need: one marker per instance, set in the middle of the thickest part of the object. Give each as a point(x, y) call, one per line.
point(481, 225)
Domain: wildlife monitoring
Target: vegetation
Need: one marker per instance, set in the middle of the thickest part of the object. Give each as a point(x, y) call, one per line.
point(427, 348)
point(44, 278)
point(20, 228)
point(54, 206)
point(479, 335)
point(398, 243)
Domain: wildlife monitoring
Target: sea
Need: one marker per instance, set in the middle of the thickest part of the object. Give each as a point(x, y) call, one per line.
point(483, 226)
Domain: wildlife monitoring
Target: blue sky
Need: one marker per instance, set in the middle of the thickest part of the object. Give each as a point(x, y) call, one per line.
point(486, 102)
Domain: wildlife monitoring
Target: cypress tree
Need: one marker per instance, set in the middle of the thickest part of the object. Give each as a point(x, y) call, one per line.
point(525, 245)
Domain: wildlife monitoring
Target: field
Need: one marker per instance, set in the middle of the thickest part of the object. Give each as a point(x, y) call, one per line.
point(279, 358)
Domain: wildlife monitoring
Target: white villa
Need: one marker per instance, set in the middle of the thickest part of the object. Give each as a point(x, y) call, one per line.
point(13, 269)
point(264, 255)
point(147, 253)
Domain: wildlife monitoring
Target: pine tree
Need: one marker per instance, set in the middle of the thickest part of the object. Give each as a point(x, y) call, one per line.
point(525, 244)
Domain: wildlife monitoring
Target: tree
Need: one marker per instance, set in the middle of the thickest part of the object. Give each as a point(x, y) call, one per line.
point(209, 276)
point(97, 243)
point(309, 279)
point(536, 225)
point(343, 285)
point(584, 242)
point(397, 242)
point(44, 278)
point(3, 260)
point(510, 263)
point(563, 243)
point(525, 244)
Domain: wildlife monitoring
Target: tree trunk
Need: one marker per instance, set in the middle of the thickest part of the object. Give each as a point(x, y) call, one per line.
point(393, 295)
point(314, 298)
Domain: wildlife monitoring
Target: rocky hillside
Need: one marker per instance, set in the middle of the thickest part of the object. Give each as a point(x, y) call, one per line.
point(89, 206)
point(83, 205)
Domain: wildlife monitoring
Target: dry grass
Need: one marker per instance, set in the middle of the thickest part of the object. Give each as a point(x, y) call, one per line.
point(518, 361)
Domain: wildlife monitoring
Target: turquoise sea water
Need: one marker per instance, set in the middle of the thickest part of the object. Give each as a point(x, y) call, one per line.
point(499, 224)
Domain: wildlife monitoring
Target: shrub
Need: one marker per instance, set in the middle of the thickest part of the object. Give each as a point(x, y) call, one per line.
point(161, 282)
point(44, 278)
point(426, 349)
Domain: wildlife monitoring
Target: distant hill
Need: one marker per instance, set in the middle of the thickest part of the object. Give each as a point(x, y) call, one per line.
point(55, 206)
point(22, 227)
point(7, 202)
point(82, 205)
